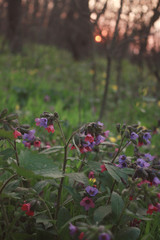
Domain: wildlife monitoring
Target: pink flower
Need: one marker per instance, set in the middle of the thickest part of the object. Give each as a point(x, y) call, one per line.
point(89, 138)
point(85, 149)
point(103, 168)
point(16, 134)
point(37, 120)
point(50, 128)
point(87, 203)
point(151, 209)
point(91, 174)
point(37, 143)
point(27, 144)
point(26, 208)
point(130, 198)
point(81, 236)
point(158, 195)
point(106, 133)
point(144, 182)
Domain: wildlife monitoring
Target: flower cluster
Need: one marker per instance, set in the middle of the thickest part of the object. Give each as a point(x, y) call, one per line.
point(89, 137)
point(122, 162)
point(26, 207)
point(30, 139)
point(43, 122)
point(92, 191)
point(100, 233)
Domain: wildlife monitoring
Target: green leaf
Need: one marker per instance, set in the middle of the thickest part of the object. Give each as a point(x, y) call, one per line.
point(101, 212)
point(40, 164)
point(63, 217)
point(75, 195)
point(21, 236)
point(131, 233)
point(94, 165)
point(137, 215)
point(117, 204)
point(7, 153)
point(6, 134)
point(112, 172)
point(42, 184)
point(130, 150)
point(52, 150)
point(73, 219)
point(78, 177)
point(24, 172)
point(43, 219)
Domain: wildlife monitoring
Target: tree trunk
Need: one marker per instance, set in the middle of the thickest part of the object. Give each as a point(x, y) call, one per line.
point(105, 93)
point(14, 25)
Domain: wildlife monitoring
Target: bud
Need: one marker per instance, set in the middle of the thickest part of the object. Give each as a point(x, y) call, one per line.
point(26, 126)
point(12, 116)
point(134, 141)
point(118, 126)
point(3, 113)
point(56, 116)
point(14, 123)
point(127, 134)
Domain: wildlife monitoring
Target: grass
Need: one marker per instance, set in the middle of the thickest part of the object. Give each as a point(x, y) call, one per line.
point(41, 70)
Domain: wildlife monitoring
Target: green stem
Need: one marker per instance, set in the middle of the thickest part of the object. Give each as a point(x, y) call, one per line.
point(120, 149)
point(66, 143)
point(4, 214)
point(6, 182)
point(16, 154)
point(49, 213)
point(112, 188)
point(62, 133)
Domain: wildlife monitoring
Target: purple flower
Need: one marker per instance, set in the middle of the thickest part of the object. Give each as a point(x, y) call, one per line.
point(47, 98)
point(87, 203)
point(104, 236)
point(30, 135)
point(156, 181)
point(100, 124)
point(91, 174)
point(92, 191)
point(99, 139)
point(149, 157)
point(147, 136)
point(142, 163)
point(92, 144)
point(122, 158)
point(122, 165)
point(43, 122)
point(73, 229)
point(134, 136)
point(158, 206)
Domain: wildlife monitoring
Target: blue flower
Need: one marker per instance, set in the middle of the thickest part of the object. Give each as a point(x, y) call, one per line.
point(73, 229)
point(99, 139)
point(104, 236)
point(147, 136)
point(142, 163)
point(122, 159)
point(134, 136)
point(149, 157)
point(92, 191)
point(30, 135)
point(156, 181)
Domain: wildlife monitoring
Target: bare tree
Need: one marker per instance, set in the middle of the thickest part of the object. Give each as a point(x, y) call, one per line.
point(109, 57)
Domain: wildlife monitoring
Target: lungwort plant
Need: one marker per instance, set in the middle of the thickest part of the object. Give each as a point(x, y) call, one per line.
point(84, 188)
